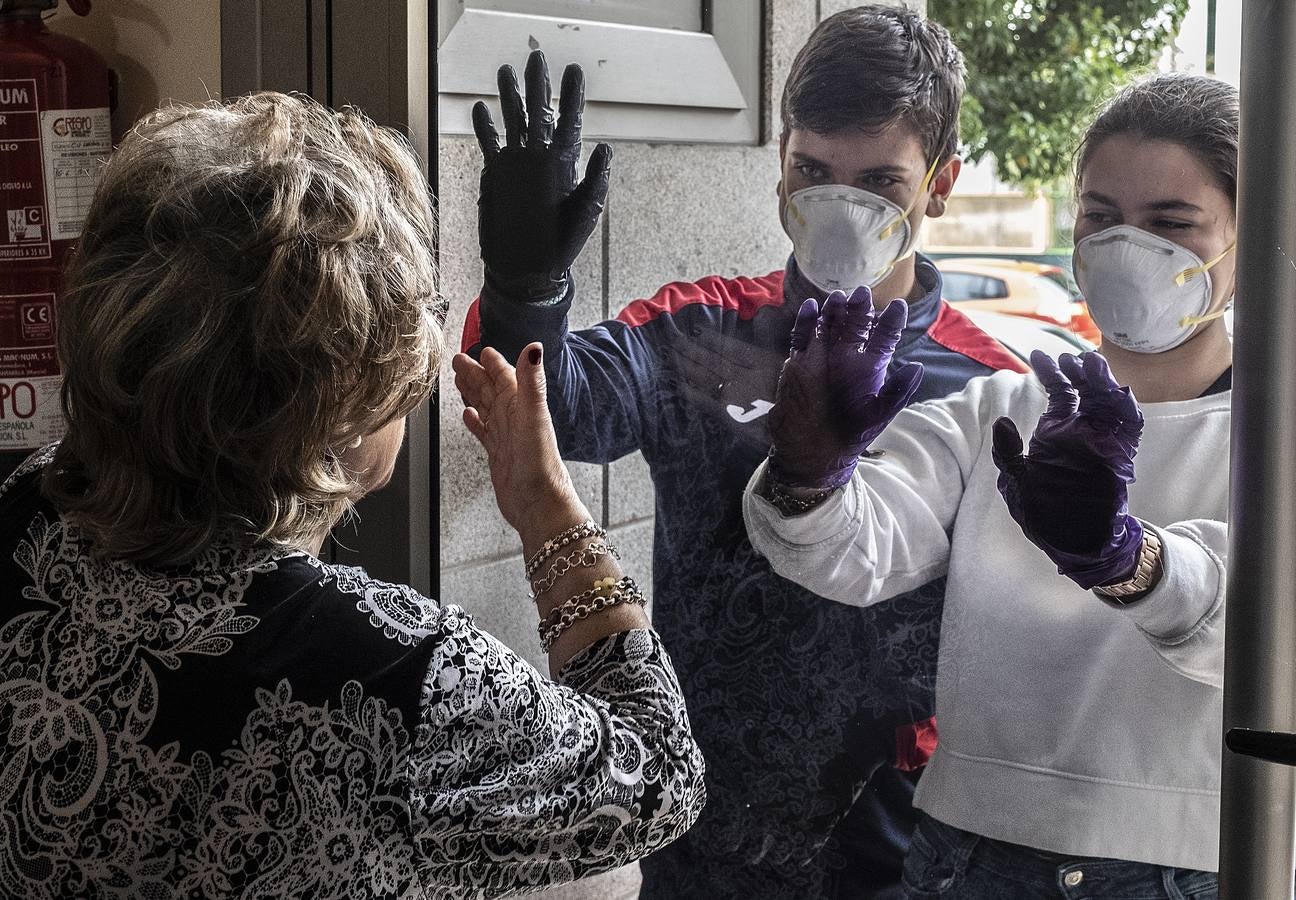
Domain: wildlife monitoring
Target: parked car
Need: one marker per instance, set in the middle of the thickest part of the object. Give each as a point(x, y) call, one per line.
point(1022, 334)
point(1018, 288)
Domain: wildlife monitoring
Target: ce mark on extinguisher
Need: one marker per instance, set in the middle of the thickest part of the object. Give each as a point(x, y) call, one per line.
point(36, 321)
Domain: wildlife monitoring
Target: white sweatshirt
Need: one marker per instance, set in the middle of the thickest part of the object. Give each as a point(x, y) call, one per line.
point(1066, 724)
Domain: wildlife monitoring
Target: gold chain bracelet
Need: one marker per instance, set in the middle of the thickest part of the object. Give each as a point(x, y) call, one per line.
point(585, 558)
point(556, 543)
point(605, 594)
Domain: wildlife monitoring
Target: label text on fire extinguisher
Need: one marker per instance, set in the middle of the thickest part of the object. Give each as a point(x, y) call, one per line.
point(24, 232)
point(30, 414)
point(74, 145)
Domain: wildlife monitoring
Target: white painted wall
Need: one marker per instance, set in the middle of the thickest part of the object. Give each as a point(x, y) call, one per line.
point(1189, 51)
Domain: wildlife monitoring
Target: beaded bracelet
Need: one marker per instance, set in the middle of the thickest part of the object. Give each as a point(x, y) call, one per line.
point(586, 558)
point(556, 543)
point(601, 597)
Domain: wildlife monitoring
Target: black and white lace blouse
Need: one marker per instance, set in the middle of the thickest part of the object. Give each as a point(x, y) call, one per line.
point(264, 725)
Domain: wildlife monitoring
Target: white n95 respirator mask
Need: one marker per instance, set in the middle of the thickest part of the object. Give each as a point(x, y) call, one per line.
point(1145, 293)
point(844, 237)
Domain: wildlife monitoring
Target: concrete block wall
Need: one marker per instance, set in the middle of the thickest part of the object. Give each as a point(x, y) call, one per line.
point(674, 212)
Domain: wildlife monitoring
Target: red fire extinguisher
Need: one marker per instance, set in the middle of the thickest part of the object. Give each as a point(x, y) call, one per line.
point(54, 135)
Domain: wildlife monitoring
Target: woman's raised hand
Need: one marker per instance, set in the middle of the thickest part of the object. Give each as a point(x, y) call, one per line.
point(506, 411)
point(1070, 494)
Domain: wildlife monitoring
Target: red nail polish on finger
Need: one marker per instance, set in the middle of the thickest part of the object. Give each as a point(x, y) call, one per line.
point(534, 356)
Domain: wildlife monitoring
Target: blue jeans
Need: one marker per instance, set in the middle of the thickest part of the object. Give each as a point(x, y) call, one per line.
point(951, 864)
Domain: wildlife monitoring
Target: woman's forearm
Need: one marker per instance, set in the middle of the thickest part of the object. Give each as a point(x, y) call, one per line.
point(551, 517)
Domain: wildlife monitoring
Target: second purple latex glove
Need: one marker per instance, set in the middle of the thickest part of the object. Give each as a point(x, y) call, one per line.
point(834, 397)
point(1070, 494)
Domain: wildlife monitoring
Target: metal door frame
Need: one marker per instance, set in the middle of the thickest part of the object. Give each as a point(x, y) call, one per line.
point(377, 55)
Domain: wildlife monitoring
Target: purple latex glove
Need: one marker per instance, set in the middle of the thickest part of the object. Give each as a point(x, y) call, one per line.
point(834, 397)
point(1070, 494)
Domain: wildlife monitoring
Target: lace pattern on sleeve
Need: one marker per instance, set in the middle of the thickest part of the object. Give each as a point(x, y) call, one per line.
point(521, 782)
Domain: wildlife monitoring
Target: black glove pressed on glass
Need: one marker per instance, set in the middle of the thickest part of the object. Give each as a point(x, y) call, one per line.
point(533, 215)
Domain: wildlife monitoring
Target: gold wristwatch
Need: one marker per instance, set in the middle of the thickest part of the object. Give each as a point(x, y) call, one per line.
point(1142, 579)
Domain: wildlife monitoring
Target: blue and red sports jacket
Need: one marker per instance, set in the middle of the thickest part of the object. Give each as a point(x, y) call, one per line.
point(798, 702)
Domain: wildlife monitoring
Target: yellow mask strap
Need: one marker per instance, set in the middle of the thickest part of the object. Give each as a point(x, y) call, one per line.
point(891, 229)
point(1189, 321)
point(1183, 276)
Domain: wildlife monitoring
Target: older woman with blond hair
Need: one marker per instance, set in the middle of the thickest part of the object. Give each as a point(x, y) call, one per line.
point(191, 701)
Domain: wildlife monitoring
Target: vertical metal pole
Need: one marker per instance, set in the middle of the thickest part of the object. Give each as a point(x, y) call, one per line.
point(1259, 798)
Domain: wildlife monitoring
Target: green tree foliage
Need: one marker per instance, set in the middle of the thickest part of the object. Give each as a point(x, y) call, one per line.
point(1038, 69)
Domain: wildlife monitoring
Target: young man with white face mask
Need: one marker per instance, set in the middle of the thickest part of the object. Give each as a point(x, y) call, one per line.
point(803, 708)
point(1081, 659)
